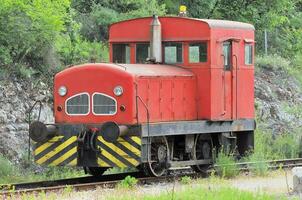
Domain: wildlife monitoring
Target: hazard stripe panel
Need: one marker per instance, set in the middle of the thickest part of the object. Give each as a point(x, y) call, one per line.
point(125, 152)
point(58, 150)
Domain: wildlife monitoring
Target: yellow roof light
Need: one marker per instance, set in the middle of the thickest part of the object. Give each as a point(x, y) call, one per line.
point(182, 8)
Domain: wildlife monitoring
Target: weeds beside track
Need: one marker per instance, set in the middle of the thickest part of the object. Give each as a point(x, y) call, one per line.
point(110, 181)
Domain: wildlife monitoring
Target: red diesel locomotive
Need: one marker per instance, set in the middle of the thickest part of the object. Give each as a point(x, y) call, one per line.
point(175, 89)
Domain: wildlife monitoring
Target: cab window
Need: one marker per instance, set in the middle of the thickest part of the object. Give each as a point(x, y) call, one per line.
point(198, 52)
point(248, 53)
point(142, 52)
point(173, 52)
point(227, 53)
point(121, 53)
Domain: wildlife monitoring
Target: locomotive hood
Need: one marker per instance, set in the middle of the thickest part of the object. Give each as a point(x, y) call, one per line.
point(102, 92)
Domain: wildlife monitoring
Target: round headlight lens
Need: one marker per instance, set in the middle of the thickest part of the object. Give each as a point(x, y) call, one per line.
point(118, 90)
point(62, 91)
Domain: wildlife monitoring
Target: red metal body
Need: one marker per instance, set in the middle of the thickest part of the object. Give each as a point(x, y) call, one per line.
point(189, 91)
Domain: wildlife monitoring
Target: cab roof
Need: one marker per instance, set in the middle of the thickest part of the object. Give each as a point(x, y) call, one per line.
point(174, 29)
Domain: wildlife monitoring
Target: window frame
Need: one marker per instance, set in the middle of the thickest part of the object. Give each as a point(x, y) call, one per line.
point(78, 94)
point(207, 53)
point(182, 52)
point(126, 44)
point(252, 54)
point(92, 102)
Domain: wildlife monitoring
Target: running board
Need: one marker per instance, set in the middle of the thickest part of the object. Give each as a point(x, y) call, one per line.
point(189, 162)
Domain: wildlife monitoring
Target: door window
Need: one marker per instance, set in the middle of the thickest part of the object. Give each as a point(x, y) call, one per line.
point(227, 55)
point(248, 53)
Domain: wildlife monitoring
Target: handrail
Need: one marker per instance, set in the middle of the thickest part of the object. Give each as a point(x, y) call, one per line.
point(236, 68)
point(148, 124)
point(29, 120)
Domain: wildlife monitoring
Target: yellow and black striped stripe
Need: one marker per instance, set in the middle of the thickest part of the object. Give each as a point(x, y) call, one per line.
point(59, 150)
point(125, 152)
point(62, 150)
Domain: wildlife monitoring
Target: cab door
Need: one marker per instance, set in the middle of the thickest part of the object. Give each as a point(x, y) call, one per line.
point(227, 80)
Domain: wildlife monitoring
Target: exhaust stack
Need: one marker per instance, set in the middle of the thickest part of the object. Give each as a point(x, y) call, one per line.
point(155, 41)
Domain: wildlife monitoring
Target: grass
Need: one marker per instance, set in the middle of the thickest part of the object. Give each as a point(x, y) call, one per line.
point(185, 180)
point(226, 167)
point(275, 62)
point(258, 165)
point(127, 183)
point(5, 167)
point(213, 194)
point(10, 174)
point(202, 192)
point(285, 145)
point(213, 188)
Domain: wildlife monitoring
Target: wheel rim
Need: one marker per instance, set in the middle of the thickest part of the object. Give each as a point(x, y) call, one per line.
point(202, 150)
point(159, 156)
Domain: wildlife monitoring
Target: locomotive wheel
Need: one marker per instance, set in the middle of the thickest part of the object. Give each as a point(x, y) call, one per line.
point(202, 150)
point(96, 171)
point(159, 155)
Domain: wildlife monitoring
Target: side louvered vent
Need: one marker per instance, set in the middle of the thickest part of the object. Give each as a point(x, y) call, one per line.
point(103, 104)
point(78, 104)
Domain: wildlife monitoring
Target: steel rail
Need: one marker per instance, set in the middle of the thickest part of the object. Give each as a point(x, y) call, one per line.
point(110, 181)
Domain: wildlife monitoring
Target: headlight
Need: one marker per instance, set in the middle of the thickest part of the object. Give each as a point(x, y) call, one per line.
point(118, 90)
point(62, 91)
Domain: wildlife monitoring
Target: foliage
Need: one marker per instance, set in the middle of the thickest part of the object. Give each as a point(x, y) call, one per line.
point(128, 182)
point(226, 165)
point(14, 174)
point(258, 165)
point(79, 51)
point(269, 147)
point(6, 168)
point(272, 62)
point(94, 24)
point(28, 28)
point(185, 180)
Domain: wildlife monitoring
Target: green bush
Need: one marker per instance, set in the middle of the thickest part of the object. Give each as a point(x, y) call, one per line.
point(128, 182)
point(226, 166)
point(286, 145)
point(272, 62)
point(78, 51)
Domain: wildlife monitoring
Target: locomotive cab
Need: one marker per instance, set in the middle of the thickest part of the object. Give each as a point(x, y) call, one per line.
point(176, 90)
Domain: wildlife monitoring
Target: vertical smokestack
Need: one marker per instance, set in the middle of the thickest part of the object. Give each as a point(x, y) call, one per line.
point(155, 40)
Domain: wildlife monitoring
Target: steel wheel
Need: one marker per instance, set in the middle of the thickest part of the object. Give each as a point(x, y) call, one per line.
point(202, 150)
point(159, 155)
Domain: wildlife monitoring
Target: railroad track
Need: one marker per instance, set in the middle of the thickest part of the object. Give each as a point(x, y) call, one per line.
point(110, 181)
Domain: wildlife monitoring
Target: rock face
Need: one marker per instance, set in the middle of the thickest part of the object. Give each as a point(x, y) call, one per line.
point(16, 98)
point(278, 100)
point(297, 179)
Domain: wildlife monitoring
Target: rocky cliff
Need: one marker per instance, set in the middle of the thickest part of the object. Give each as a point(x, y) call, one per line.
point(16, 98)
